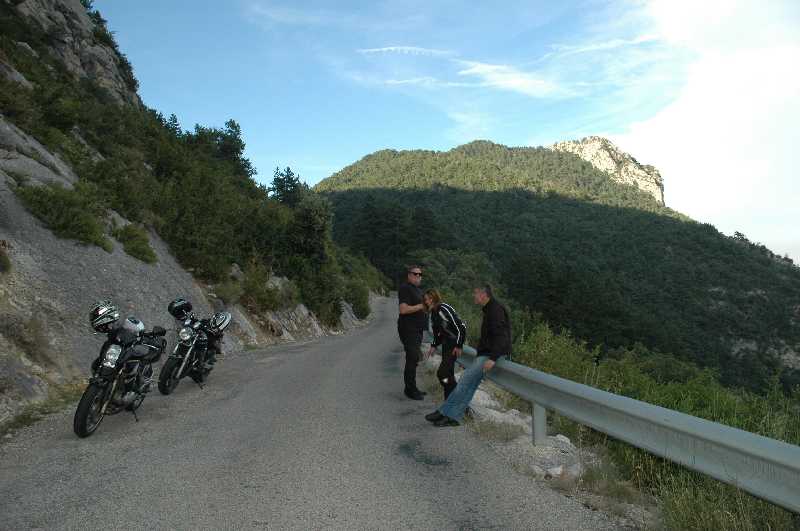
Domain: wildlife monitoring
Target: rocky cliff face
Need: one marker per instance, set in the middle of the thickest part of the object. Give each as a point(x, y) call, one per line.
point(623, 168)
point(51, 283)
point(76, 41)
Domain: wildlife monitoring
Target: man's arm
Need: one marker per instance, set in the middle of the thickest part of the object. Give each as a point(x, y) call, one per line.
point(406, 309)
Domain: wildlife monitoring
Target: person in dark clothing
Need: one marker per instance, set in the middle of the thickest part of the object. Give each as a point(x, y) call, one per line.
point(449, 331)
point(495, 342)
point(410, 325)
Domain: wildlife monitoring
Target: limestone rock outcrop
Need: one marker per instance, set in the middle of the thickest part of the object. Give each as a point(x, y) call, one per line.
point(620, 166)
point(73, 42)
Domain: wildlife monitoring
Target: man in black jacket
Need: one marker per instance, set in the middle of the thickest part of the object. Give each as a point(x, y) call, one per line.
point(495, 342)
point(410, 325)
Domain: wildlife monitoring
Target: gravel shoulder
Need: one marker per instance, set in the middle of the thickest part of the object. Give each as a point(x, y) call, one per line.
point(307, 436)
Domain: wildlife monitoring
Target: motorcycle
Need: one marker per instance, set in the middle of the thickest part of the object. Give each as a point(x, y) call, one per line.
point(122, 374)
point(195, 351)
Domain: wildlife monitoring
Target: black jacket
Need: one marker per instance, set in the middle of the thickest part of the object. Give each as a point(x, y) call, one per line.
point(448, 328)
point(495, 331)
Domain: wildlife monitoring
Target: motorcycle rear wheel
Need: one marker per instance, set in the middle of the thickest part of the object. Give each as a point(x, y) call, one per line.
point(89, 415)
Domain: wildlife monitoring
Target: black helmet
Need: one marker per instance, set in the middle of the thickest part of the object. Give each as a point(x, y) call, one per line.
point(104, 316)
point(219, 322)
point(180, 308)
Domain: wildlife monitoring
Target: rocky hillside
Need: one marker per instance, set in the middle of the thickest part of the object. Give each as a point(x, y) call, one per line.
point(90, 210)
point(622, 167)
point(78, 41)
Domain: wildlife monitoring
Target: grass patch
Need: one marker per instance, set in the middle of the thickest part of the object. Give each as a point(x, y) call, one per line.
point(496, 431)
point(70, 213)
point(58, 398)
point(136, 243)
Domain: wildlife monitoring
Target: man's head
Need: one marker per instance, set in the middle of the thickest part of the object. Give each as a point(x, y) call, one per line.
point(482, 294)
point(414, 274)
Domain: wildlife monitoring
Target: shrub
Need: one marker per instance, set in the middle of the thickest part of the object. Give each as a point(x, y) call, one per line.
point(136, 243)
point(69, 213)
point(5, 261)
point(257, 294)
point(357, 294)
point(229, 291)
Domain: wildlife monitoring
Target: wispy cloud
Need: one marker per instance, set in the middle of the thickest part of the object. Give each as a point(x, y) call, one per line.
point(407, 50)
point(612, 44)
point(508, 78)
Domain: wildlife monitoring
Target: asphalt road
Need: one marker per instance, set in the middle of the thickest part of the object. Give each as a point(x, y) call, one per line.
point(309, 436)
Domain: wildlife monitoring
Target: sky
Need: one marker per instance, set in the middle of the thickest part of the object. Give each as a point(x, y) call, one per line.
point(707, 92)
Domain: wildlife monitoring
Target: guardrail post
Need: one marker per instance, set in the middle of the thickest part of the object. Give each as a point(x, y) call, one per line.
point(539, 422)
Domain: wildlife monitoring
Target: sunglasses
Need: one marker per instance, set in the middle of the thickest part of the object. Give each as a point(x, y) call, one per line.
point(416, 273)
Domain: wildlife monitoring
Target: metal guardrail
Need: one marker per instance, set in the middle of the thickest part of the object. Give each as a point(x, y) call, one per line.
point(764, 467)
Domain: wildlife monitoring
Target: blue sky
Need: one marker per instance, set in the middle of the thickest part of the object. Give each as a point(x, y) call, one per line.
point(318, 85)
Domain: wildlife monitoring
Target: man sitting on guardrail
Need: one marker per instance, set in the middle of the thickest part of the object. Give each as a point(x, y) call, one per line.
point(494, 343)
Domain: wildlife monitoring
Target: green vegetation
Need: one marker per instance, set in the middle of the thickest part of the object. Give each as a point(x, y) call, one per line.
point(599, 258)
point(5, 261)
point(136, 243)
point(70, 213)
point(195, 188)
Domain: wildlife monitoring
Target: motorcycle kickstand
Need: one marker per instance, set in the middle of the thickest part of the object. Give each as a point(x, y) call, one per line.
point(135, 416)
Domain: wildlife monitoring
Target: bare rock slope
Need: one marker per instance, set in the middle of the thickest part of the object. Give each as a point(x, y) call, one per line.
point(622, 167)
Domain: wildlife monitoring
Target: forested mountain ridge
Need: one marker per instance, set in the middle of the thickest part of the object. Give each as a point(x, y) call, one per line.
point(604, 259)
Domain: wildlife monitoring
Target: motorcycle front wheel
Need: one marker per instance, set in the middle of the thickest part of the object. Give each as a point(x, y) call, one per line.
point(89, 414)
point(168, 378)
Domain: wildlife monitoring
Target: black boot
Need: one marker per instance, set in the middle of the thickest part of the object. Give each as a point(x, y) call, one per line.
point(413, 394)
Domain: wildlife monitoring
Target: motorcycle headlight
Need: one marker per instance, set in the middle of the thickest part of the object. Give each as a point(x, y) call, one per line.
point(112, 355)
point(185, 334)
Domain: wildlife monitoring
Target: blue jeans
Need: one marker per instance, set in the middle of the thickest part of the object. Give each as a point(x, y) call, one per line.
point(459, 399)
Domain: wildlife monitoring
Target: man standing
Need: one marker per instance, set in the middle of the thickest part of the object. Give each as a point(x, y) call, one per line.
point(495, 342)
point(410, 325)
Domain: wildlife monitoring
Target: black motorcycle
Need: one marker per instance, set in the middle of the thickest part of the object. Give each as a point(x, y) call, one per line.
point(123, 372)
point(198, 344)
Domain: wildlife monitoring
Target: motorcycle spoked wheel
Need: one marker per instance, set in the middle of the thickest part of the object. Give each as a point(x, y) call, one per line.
point(89, 415)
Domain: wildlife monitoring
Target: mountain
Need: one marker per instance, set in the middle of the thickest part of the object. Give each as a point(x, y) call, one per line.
point(601, 258)
point(104, 198)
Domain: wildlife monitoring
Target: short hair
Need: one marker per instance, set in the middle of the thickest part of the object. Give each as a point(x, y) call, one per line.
point(412, 266)
point(486, 288)
point(435, 296)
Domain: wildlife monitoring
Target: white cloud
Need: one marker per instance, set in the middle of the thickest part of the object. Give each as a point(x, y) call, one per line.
point(508, 78)
point(407, 50)
point(727, 146)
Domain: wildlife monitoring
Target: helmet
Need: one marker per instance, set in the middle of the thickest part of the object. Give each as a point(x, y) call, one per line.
point(104, 316)
point(133, 325)
point(219, 322)
point(180, 308)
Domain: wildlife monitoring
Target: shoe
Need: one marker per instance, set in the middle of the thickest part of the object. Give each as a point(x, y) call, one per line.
point(446, 422)
point(414, 395)
point(433, 417)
